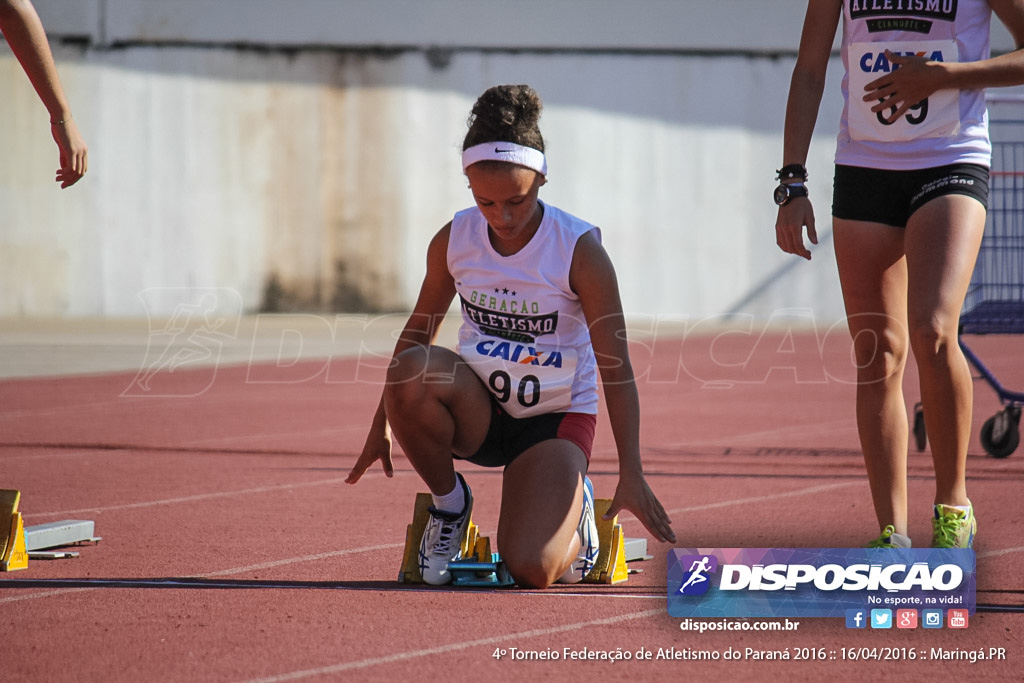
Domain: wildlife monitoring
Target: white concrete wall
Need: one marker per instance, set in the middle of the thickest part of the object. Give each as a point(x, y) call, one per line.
point(712, 25)
point(239, 140)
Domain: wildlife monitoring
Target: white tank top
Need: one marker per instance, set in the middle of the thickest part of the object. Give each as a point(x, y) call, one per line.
point(950, 126)
point(523, 330)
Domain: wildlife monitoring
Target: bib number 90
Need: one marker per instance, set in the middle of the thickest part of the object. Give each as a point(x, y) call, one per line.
point(527, 393)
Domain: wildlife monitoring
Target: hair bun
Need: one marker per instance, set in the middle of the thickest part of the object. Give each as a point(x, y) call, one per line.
point(509, 113)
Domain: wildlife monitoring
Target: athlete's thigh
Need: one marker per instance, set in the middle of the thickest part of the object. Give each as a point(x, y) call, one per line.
point(873, 274)
point(942, 242)
point(541, 499)
point(435, 372)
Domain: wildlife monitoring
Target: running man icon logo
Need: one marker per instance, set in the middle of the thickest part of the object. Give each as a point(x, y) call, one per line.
point(696, 580)
point(186, 344)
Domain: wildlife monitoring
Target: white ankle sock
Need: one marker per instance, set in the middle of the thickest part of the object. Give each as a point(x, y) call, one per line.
point(451, 502)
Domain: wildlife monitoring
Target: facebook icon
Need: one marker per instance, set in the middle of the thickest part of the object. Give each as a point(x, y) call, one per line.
point(856, 618)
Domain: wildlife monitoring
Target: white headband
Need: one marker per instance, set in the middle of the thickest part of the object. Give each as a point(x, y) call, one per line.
point(508, 152)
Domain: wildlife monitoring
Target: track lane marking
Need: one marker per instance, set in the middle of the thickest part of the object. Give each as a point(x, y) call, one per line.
point(762, 499)
point(454, 647)
point(224, 572)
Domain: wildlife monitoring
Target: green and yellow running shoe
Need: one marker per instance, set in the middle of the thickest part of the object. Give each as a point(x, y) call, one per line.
point(890, 539)
point(885, 540)
point(953, 527)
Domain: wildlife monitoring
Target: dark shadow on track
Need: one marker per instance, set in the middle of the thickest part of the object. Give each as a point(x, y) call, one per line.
point(207, 583)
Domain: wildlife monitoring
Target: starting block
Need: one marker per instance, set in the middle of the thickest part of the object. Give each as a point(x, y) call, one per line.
point(482, 567)
point(611, 565)
point(13, 555)
point(19, 543)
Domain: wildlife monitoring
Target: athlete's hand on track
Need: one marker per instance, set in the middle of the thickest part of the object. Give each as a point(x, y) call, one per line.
point(789, 227)
point(635, 495)
point(377, 447)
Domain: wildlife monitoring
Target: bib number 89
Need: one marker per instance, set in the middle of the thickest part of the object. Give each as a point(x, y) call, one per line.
point(527, 393)
point(915, 115)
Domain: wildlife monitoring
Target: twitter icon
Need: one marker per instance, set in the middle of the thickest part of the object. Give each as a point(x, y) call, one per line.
point(881, 618)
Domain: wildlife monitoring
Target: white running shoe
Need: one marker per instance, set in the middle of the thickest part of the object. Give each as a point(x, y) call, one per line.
point(589, 543)
point(442, 540)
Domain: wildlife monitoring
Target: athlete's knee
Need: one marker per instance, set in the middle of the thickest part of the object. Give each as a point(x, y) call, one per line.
point(531, 572)
point(531, 563)
point(405, 385)
point(408, 365)
point(933, 337)
point(420, 365)
point(401, 384)
point(417, 374)
point(880, 350)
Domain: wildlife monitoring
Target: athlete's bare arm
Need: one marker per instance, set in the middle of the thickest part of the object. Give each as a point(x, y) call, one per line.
point(436, 294)
point(25, 34)
point(592, 277)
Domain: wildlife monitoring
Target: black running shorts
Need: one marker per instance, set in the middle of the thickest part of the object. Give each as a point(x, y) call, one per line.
point(891, 197)
point(509, 437)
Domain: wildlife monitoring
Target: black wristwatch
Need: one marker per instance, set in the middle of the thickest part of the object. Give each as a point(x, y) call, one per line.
point(784, 193)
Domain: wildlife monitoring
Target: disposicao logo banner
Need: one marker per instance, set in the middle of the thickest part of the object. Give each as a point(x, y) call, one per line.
point(816, 582)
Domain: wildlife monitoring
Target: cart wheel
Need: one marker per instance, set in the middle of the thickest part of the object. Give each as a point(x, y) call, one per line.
point(1001, 433)
point(920, 435)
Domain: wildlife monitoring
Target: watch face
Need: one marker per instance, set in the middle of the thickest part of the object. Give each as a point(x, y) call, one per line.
point(781, 195)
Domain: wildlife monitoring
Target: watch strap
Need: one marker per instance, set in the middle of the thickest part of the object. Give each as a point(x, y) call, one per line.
point(791, 171)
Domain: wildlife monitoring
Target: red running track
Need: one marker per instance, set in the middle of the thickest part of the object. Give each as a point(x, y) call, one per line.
point(233, 551)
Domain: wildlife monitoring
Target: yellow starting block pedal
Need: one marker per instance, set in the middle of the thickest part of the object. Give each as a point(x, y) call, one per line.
point(474, 546)
point(611, 566)
point(13, 554)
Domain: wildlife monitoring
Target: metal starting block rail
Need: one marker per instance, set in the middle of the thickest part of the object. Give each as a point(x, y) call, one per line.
point(483, 568)
point(473, 572)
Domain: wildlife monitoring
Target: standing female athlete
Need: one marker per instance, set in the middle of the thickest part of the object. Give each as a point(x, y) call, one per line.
point(541, 318)
point(910, 195)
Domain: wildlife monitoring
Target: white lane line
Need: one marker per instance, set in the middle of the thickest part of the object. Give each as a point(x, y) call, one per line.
point(762, 499)
point(186, 499)
point(44, 594)
point(251, 437)
point(198, 496)
point(455, 647)
point(295, 560)
point(97, 407)
point(265, 489)
point(999, 553)
point(222, 572)
point(824, 428)
point(61, 453)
